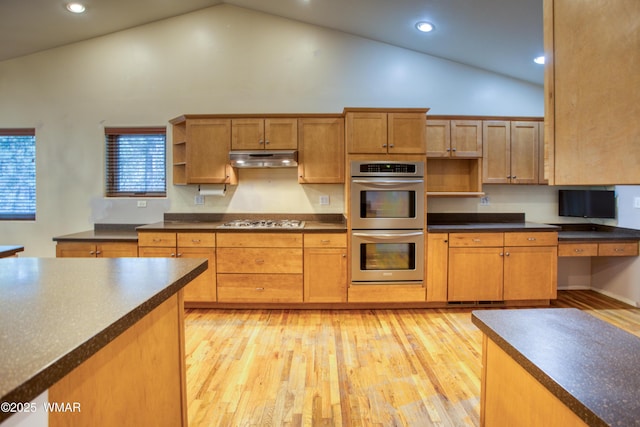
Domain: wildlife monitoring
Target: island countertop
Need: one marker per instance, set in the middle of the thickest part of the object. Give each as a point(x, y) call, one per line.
point(57, 312)
point(591, 366)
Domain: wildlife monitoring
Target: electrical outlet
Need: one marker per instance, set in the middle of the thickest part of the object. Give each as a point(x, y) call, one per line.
point(324, 200)
point(484, 201)
point(636, 202)
point(198, 200)
point(142, 203)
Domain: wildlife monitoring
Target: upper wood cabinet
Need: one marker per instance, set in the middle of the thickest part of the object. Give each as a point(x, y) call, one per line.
point(454, 138)
point(592, 103)
point(510, 152)
point(321, 150)
point(264, 134)
point(372, 131)
point(201, 151)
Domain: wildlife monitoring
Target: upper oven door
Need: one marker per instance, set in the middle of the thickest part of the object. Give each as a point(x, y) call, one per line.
point(387, 203)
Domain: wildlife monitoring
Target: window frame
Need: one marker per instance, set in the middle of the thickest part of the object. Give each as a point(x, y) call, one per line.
point(111, 150)
point(24, 216)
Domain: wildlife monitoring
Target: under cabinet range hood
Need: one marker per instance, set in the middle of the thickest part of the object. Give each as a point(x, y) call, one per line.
point(264, 159)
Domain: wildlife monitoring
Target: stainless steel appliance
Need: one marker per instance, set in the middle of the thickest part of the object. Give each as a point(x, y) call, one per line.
point(387, 256)
point(387, 195)
point(387, 222)
point(263, 223)
point(264, 159)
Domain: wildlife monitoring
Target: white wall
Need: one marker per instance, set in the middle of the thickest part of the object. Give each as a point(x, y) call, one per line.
point(222, 59)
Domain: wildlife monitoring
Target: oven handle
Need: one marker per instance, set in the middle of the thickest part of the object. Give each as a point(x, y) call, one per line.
point(388, 235)
point(388, 183)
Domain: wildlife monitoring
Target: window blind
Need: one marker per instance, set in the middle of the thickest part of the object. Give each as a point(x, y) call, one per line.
point(17, 174)
point(135, 162)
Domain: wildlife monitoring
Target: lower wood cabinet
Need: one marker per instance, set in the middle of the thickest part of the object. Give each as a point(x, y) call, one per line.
point(325, 267)
point(185, 245)
point(96, 250)
point(492, 266)
point(259, 267)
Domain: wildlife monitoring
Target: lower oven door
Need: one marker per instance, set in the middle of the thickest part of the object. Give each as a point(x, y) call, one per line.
point(387, 256)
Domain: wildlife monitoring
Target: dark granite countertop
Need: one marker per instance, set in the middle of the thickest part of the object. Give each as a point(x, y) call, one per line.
point(7, 251)
point(596, 233)
point(483, 223)
point(589, 365)
point(57, 312)
point(103, 233)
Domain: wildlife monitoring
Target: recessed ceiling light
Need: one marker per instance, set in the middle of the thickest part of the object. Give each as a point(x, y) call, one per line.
point(75, 7)
point(425, 26)
point(539, 60)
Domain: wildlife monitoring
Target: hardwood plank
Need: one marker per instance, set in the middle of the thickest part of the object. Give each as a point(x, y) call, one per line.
point(347, 367)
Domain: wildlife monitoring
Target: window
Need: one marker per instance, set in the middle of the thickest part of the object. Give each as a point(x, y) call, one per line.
point(17, 174)
point(136, 162)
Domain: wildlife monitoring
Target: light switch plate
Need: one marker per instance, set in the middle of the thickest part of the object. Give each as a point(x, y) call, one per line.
point(324, 200)
point(142, 203)
point(636, 202)
point(198, 200)
point(484, 201)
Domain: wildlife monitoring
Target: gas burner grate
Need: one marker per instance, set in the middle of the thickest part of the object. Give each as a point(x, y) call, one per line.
point(263, 223)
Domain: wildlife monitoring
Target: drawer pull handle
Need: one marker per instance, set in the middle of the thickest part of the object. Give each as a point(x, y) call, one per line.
point(325, 241)
point(259, 261)
point(156, 240)
point(531, 239)
point(196, 240)
point(260, 289)
point(476, 240)
point(579, 250)
point(619, 249)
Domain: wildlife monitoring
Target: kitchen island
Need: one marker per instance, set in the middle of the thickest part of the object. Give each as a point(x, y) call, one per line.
point(557, 367)
point(104, 336)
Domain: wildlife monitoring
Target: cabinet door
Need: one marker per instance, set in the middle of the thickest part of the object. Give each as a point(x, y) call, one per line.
point(325, 275)
point(542, 156)
point(475, 274)
point(247, 134)
point(207, 151)
point(524, 152)
point(466, 138)
point(321, 151)
point(117, 250)
point(530, 272)
point(203, 287)
point(75, 250)
point(366, 133)
point(496, 152)
point(437, 266)
point(156, 252)
point(407, 133)
point(281, 134)
point(259, 260)
point(438, 138)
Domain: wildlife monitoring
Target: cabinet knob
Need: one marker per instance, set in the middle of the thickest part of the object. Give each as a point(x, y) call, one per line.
point(509, 177)
point(267, 142)
point(501, 254)
point(514, 177)
point(261, 142)
point(507, 254)
point(448, 149)
point(454, 149)
point(92, 252)
point(384, 145)
point(98, 252)
point(445, 241)
point(173, 255)
point(391, 145)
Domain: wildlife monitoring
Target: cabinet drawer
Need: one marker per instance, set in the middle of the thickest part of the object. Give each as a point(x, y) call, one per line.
point(157, 239)
point(325, 240)
point(578, 249)
point(538, 238)
point(196, 240)
point(618, 249)
point(467, 240)
point(259, 288)
point(259, 240)
point(259, 260)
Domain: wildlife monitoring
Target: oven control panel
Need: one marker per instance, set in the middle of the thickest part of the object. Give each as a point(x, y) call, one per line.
point(387, 169)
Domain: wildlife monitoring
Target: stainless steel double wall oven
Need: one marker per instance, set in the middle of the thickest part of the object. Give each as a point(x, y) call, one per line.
point(387, 222)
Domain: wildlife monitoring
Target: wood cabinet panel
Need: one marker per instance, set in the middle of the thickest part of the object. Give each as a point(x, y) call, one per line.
point(207, 151)
point(268, 288)
point(466, 138)
point(618, 249)
point(577, 249)
point(438, 138)
point(325, 274)
point(321, 151)
point(437, 266)
point(203, 287)
point(196, 240)
point(476, 239)
point(259, 260)
point(260, 134)
point(259, 240)
point(496, 156)
point(386, 293)
point(534, 238)
point(366, 132)
point(407, 133)
point(325, 240)
point(524, 152)
point(475, 274)
point(530, 272)
point(156, 252)
point(157, 239)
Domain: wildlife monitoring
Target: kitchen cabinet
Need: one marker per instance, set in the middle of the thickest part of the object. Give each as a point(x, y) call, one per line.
point(437, 264)
point(264, 134)
point(260, 267)
point(321, 150)
point(325, 267)
point(185, 245)
point(201, 151)
point(374, 131)
point(581, 249)
point(96, 249)
point(454, 177)
point(591, 94)
point(502, 266)
point(510, 152)
point(454, 138)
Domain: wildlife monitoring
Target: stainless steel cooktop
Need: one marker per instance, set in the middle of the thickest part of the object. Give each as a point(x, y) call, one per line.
point(263, 223)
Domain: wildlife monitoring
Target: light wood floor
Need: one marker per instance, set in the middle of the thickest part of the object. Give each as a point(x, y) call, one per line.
point(346, 367)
